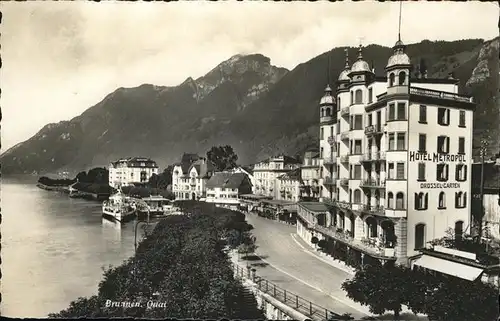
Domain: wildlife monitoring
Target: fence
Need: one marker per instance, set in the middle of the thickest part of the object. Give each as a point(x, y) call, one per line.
point(294, 301)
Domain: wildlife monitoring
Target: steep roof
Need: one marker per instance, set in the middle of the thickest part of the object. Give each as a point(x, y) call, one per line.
point(291, 175)
point(226, 180)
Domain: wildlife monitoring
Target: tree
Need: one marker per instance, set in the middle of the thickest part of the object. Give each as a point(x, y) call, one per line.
point(98, 175)
point(223, 157)
point(379, 288)
point(82, 177)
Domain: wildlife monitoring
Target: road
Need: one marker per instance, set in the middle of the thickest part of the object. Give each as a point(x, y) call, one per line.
point(291, 267)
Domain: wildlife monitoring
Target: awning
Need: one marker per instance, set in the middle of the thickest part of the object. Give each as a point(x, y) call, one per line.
point(456, 269)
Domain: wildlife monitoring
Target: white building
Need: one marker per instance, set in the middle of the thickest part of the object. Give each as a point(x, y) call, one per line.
point(396, 157)
point(310, 174)
point(131, 170)
point(266, 173)
point(288, 185)
point(249, 172)
point(189, 177)
point(224, 189)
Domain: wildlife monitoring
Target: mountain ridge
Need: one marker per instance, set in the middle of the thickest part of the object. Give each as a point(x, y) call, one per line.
point(244, 101)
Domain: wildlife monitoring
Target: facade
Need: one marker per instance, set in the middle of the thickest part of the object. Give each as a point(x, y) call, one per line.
point(310, 175)
point(288, 185)
point(225, 189)
point(189, 177)
point(491, 197)
point(395, 158)
point(249, 172)
point(127, 171)
point(266, 173)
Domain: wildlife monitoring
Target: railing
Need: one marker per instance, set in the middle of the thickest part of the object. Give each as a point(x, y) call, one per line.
point(344, 135)
point(370, 182)
point(377, 156)
point(373, 129)
point(344, 182)
point(440, 94)
point(365, 158)
point(344, 158)
point(329, 181)
point(375, 209)
point(294, 301)
point(344, 111)
point(329, 160)
point(345, 237)
point(345, 205)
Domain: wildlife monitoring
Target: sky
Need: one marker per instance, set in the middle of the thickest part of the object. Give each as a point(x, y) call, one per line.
point(60, 58)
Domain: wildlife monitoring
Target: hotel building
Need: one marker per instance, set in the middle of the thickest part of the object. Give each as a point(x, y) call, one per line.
point(266, 173)
point(395, 156)
point(127, 171)
point(189, 177)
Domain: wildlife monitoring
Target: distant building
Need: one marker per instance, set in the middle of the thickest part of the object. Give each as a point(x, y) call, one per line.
point(127, 171)
point(491, 197)
point(288, 185)
point(249, 172)
point(395, 153)
point(310, 189)
point(190, 176)
point(267, 171)
point(224, 189)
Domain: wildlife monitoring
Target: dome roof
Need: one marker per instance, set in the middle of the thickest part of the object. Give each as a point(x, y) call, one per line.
point(344, 75)
point(399, 57)
point(327, 99)
point(360, 64)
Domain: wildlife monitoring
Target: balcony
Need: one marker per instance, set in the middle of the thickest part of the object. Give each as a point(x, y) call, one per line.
point(373, 183)
point(329, 181)
point(440, 94)
point(344, 182)
point(374, 210)
point(192, 182)
point(373, 130)
point(344, 159)
point(344, 135)
point(344, 111)
point(365, 158)
point(372, 248)
point(344, 205)
point(329, 160)
point(378, 156)
point(327, 119)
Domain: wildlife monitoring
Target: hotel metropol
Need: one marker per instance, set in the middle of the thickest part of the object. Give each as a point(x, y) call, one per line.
point(395, 161)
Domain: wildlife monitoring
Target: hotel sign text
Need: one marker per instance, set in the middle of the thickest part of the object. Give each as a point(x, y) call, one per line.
point(439, 185)
point(436, 157)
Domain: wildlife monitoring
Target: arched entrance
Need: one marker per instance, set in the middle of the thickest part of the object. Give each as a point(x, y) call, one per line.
point(388, 234)
point(372, 227)
point(193, 196)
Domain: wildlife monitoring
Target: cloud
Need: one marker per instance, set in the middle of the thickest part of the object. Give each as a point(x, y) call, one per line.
point(62, 57)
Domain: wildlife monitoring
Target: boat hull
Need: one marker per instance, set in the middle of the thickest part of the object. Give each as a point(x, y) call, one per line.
point(119, 216)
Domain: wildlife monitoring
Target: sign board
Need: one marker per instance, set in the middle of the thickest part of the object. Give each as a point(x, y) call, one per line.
point(440, 185)
point(437, 157)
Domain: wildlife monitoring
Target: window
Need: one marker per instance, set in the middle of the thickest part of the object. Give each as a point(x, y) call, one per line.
point(422, 118)
point(390, 172)
point(392, 145)
point(400, 201)
point(400, 171)
point(421, 201)
point(443, 144)
point(357, 147)
point(442, 201)
point(321, 152)
point(359, 96)
point(419, 236)
point(461, 119)
point(422, 140)
point(357, 171)
point(357, 196)
point(391, 79)
point(370, 95)
point(392, 112)
point(351, 122)
point(401, 141)
point(338, 103)
point(401, 111)
point(461, 145)
point(328, 112)
point(443, 116)
point(390, 200)
point(370, 120)
point(460, 199)
point(461, 172)
point(421, 172)
point(331, 131)
point(321, 133)
point(352, 98)
point(442, 172)
point(402, 78)
point(358, 122)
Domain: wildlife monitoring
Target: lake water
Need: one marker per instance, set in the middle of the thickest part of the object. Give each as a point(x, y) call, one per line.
point(54, 248)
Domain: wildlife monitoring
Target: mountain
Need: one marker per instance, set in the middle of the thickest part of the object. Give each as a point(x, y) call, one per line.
point(246, 102)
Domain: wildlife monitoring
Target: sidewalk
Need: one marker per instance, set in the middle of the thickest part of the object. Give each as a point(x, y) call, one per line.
point(291, 284)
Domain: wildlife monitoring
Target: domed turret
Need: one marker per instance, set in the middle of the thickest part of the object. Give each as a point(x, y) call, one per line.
point(399, 57)
point(360, 65)
point(344, 75)
point(327, 98)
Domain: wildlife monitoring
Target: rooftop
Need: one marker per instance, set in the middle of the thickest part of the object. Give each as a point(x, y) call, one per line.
point(317, 207)
point(226, 180)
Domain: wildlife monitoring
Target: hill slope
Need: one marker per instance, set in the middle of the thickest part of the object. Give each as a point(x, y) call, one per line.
point(246, 102)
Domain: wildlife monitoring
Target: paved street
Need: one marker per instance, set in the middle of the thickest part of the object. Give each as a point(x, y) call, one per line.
point(292, 268)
